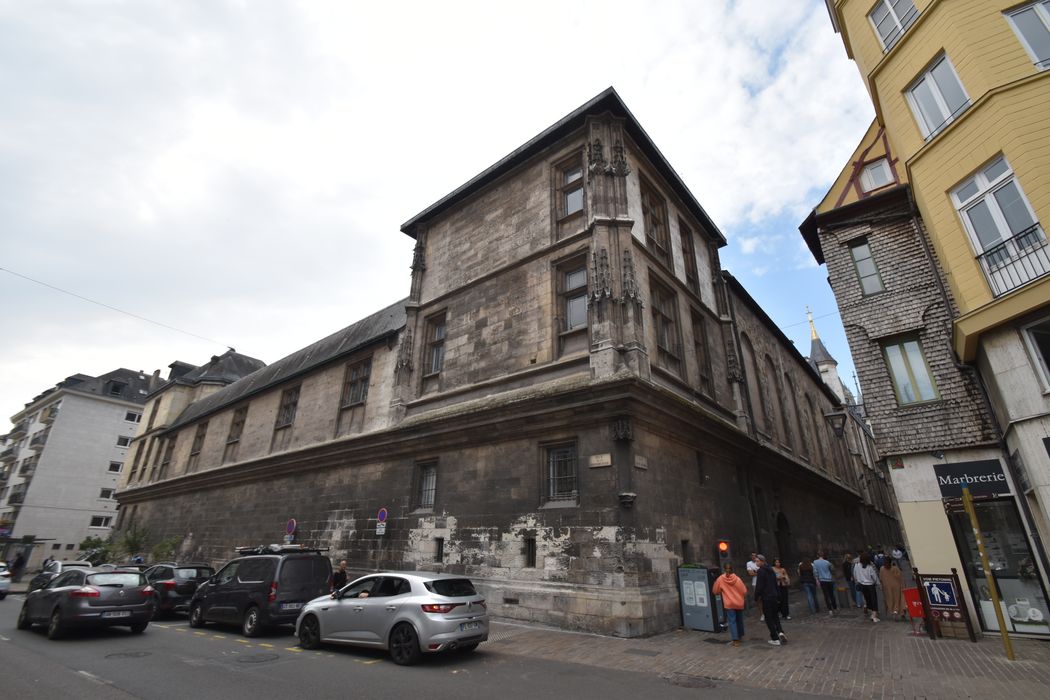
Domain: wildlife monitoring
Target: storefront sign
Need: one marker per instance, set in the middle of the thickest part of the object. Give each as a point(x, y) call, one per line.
point(984, 477)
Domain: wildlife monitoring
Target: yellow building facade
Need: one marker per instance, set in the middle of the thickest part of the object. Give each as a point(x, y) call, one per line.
point(961, 91)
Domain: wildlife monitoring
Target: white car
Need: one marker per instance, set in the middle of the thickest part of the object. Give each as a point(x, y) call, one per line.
point(5, 581)
point(407, 613)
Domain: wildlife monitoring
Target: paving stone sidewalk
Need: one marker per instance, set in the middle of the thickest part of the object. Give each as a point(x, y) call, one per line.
point(843, 656)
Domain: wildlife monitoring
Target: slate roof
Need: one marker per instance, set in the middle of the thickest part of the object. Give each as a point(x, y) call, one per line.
point(368, 330)
point(137, 385)
point(225, 368)
point(607, 100)
point(818, 353)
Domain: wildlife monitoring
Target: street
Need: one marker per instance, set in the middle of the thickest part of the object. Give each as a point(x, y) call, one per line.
point(171, 660)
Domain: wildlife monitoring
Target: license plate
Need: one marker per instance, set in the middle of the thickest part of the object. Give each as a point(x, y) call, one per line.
point(291, 606)
point(117, 613)
point(469, 626)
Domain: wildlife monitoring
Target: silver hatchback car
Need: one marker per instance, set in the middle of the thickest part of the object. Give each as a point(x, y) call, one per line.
point(407, 613)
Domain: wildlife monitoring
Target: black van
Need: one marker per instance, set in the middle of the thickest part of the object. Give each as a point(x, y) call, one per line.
point(262, 587)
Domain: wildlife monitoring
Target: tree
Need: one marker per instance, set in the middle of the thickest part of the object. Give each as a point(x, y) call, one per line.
point(96, 550)
point(165, 549)
point(134, 541)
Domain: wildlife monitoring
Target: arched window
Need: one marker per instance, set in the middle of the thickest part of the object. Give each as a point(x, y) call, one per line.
point(800, 426)
point(818, 436)
point(777, 401)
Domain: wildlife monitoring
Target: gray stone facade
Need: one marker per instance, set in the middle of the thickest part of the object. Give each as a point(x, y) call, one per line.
point(573, 466)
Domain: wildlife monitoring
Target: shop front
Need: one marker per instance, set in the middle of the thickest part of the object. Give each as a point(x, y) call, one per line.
point(1010, 555)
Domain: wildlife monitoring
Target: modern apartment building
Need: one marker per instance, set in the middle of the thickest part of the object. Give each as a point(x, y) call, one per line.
point(63, 458)
point(941, 268)
point(573, 400)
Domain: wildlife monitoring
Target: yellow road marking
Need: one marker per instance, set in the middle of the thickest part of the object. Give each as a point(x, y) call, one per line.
point(180, 629)
point(268, 646)
point(201, 634)
point(163, 626)
point(244, 641)
point(297, 650)
point(217, 636)
point(373, 661)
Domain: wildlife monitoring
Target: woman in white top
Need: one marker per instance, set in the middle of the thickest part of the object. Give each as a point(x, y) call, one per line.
point(866, 578)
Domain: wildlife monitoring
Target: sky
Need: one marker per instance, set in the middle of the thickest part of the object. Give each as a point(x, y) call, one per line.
point(235, 174)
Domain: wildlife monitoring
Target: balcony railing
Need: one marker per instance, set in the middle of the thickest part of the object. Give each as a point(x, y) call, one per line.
point(9, 454)
point(19, 430)
point(48, 415)
point(1016, 261)
point(17, 497)
point(37, 443)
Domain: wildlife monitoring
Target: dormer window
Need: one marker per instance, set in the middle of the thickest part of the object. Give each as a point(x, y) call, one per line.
point(114, 388)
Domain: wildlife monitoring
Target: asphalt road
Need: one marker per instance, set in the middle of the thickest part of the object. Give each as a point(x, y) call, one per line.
point(171, 660)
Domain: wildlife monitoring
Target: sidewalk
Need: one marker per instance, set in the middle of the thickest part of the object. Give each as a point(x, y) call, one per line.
point(843, 656)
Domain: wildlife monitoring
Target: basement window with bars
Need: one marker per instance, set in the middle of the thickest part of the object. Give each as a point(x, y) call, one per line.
point(426, 484)
point(560, 474)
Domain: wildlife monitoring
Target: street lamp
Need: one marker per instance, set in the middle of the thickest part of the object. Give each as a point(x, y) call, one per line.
point(837, 419)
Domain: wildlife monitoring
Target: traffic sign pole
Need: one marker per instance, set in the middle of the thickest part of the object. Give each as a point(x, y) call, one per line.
point(993, 591)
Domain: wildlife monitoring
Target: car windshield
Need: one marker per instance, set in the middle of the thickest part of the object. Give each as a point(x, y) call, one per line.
point(452, 587)
point(187, 574)
point(121, 580)
point(299, 570)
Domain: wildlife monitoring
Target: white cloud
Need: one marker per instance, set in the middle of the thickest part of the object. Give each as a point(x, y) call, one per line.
point(241, 170)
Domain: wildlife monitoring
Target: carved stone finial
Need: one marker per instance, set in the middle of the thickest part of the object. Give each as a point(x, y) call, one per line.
point(621, 430)
point(404, 353)
point(595, 158)
point(601, 285)
point(630, 283)
point(419, 255)
point(619, 162)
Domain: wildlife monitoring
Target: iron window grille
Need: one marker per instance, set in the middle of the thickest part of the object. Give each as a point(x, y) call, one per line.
point(426, 484)
point(561, 470)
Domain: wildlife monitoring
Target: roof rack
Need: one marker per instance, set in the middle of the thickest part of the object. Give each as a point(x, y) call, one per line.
point(279, 549)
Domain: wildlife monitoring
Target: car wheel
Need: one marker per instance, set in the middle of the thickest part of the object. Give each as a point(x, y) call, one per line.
point(196, 617)
point(309, 633)
point(139, 627)
point(250, 626)
point(468, 647)
point(24, 622)
point(404, 645)
point(54, 627)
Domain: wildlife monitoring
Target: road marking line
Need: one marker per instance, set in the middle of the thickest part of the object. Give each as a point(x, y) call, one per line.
point(373, 661)
point(180, 629)
point(201, 634)
point(268, 646)
point(217, 636)
point(295, 649)
point(3, 638)
point(92, 676)
point(244, 641)
point(161, 626)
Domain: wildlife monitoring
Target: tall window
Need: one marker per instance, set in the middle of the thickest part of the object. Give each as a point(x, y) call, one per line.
point(937, 97)
point(1038, 337)
point(570, 188)
point(153, 414)
point(703, 355)
point(1010, 243)
point(654, 214)
point(435, 343)
point(233, 438)
point(912, 381)
point(864, 262)
point(692, 275)
point(165, 461)
point(426, 484)
point(891, 18)
point(665, 325)
point(574, 296)
point(1032, 24)
point(282, 429)
point(560, 473)
point(355, 383)
point(195, 448)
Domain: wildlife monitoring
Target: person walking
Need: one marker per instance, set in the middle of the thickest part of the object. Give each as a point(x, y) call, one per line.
point(734, 595)
point(752, 573)
point(807, 581)
point(847, 573)
point(783, 586)
point(766, 592)
point(822, 568)
point(866, 577)
point(18, 566)
point(892, 589)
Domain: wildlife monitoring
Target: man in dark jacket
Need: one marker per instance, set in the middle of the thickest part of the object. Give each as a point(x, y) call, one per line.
point(766, 594)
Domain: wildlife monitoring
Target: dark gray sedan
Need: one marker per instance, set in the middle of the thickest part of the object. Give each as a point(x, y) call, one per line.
point(89, 598)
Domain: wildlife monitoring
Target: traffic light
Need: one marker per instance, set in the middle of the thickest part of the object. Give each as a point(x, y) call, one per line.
point(725, 553)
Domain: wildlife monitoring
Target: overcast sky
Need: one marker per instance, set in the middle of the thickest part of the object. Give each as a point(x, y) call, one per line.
point(240, 170)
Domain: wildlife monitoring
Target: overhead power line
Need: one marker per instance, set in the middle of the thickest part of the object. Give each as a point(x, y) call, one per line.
point(111, 308)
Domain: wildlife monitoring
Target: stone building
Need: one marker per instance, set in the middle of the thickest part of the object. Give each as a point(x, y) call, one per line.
point(933, 241)
point(573, 400)
point(62, 461)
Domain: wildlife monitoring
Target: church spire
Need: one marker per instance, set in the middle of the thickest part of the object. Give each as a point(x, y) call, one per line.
point(812, 329)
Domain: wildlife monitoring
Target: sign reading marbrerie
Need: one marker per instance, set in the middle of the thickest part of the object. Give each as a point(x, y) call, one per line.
point(984, 477)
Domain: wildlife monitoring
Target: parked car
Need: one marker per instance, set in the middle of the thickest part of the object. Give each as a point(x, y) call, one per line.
point(5, 580)
point(82, 597)
point(52, 570)
point(408, 614)
point(174, 584)
point(264, 586)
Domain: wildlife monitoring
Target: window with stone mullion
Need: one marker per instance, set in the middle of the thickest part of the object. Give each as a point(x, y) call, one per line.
point(654, 214)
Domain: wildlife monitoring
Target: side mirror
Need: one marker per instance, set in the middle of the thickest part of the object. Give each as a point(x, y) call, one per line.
point(335, 595)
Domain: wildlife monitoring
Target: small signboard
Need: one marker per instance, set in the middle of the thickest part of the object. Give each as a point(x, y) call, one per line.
point(911, 597)
point(380, 528)
point(289, 527)
point(984, 477)
point(381, 515)
point(941, 593)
